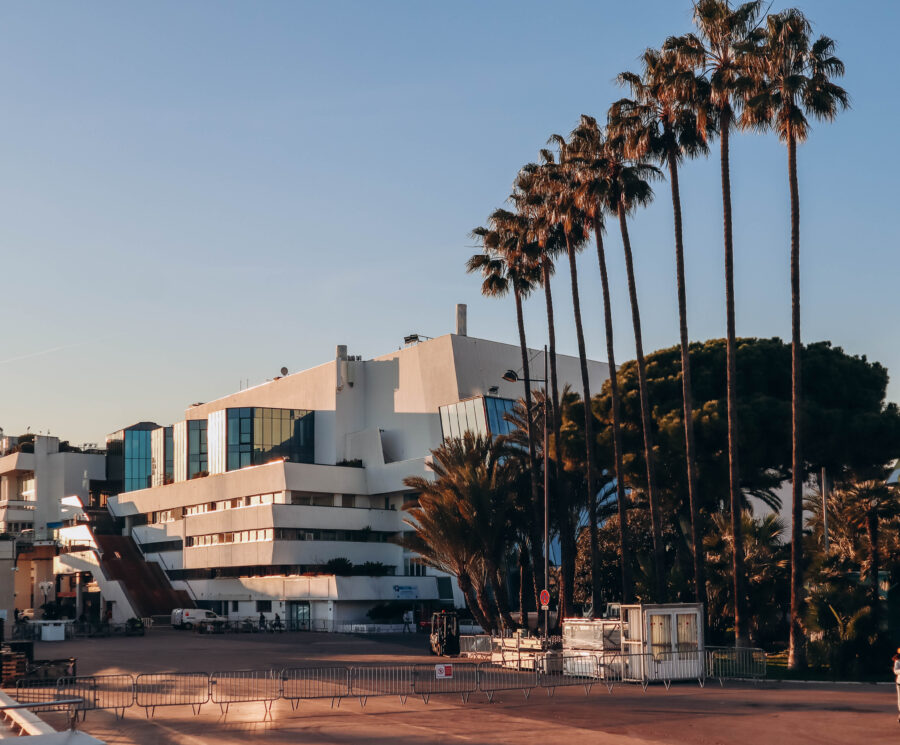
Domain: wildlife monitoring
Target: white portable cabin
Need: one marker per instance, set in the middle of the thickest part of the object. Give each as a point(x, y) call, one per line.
point(660, 642)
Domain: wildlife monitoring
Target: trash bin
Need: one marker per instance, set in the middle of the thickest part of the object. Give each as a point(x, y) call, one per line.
point(53, 631)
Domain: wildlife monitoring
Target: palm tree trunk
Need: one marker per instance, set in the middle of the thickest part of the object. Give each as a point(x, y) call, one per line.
point(622, 506)
point(652, 496)
point(687, 403)
point(734, 486)
point(484, 602)
point(588, 430)
point(465, 587)
point(500, 595)
point(559, 497)
point(523, 576)
point(797, 648)
point(534, 531)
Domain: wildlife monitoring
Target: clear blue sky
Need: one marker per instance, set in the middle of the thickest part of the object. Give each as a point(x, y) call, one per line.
point(197, 193)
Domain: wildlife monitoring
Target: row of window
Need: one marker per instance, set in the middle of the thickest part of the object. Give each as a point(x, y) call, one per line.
point(235, 503)
point(16, 527)
point(315, 499)
point(265, 570)
point(235, 536)
point(286, 534)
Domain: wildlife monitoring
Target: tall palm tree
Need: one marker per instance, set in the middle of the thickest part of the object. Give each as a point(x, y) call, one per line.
point(554, 202)
point(588, 163)
point(627, 188)
point(792, 78)
point(507, 262)
point(550, 244)
point(660, 122)
point(714, 52)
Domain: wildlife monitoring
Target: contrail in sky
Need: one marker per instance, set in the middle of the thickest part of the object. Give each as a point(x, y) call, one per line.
point(57, 349)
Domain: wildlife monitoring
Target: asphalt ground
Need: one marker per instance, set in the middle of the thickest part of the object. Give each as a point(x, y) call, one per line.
point(736, 714)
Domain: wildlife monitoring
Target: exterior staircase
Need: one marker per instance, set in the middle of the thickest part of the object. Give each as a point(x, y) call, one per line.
point(148, 588)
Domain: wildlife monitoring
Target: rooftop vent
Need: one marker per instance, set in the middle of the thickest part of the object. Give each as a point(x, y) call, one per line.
point(461, 319)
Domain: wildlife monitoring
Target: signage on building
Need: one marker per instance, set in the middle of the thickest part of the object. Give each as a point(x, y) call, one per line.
point(406, 592)
point(442, 672)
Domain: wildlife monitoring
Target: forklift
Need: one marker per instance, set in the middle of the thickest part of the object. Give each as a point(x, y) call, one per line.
point(444, 633)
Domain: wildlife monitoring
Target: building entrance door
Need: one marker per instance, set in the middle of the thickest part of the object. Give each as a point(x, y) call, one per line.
point(298, 615)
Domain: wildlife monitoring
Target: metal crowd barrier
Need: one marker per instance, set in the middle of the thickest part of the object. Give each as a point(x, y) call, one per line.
point(381, 680)
point(115, 692)
point(171, 689)
point(41, 692)
point(735, 663)
point(445, 677)
point(244, 686)
point(571, 670)
point(304, 683)
point(493, 678)
point(475, 645)
point(152, 690)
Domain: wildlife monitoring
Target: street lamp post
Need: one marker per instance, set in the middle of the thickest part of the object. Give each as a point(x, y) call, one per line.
point(513, 377)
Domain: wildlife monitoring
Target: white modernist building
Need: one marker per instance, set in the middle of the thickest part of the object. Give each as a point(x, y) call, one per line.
point(35, 476)
point(252, 497)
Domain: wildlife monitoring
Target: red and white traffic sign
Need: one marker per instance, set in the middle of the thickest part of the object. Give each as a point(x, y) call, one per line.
point(443, 671)
point(545, 597)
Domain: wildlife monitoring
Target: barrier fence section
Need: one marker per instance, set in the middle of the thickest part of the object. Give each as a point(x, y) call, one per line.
point(38, 692)
point(306, 683)
point(171, 689)
point(493, 678)
point(381, 680)
point(445, 677)
point(479, 645)
point(115, 692)
point(245, 686)
point(735, 663)
point(569, 670)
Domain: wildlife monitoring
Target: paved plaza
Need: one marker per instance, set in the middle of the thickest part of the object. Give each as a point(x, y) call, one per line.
point(733, 714)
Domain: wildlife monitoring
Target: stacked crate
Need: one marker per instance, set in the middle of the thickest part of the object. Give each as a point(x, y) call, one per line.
point(12, 667)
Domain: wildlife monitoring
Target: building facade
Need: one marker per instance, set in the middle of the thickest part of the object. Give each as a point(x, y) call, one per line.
point(283, 498)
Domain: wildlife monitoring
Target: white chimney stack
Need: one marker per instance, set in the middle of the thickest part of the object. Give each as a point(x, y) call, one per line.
point(341, 351)
point(461, 319)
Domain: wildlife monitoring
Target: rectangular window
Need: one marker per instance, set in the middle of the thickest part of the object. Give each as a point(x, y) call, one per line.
point(660, 635)
point(348, 500)
point(234, 606)
point(263, 606)
point(686, 624)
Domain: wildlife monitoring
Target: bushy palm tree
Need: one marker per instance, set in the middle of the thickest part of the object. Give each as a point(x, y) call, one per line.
point(464, 520)
point(659, 121)
point(506, 263)
point(792, 78)
point(766, 566)
point(856, 509)
point(715, 52)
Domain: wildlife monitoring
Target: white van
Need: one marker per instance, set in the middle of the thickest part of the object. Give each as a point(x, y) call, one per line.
point(199, 618)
